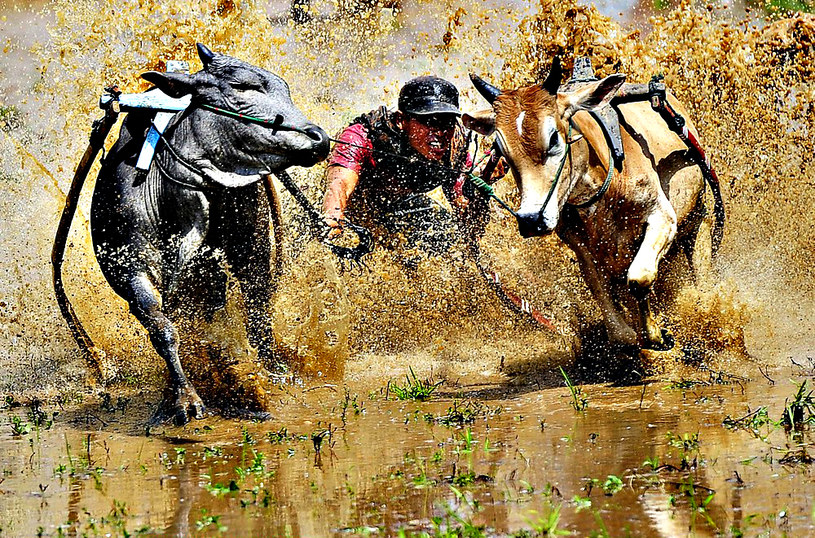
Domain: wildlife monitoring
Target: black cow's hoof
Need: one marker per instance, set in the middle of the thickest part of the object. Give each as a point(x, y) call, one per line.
point(180, 409)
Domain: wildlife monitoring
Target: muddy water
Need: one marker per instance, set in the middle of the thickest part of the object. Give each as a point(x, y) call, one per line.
point(387, 466)
point(391, 466)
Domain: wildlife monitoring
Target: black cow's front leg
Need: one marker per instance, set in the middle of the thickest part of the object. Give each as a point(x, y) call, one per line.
point(180, 401)
point(243, 235)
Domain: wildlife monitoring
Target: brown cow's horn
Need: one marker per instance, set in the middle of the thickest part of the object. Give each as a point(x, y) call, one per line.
point(487, 90)
point(552, 82)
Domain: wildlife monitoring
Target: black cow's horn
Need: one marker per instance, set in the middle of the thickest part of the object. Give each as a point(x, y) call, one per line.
point(205, 54)
point(486, 89)
point(552, 82)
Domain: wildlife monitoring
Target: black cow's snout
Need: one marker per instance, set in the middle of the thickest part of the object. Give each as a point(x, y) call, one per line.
point(531, 224)
point(321, 145)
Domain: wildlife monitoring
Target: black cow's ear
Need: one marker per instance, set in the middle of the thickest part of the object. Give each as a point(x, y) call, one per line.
point(173, 84)
point(205, 54)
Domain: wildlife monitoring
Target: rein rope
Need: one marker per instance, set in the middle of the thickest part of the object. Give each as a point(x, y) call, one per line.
point(355, 254)
point(567, 155)
point(278, 125)
point(163, 171)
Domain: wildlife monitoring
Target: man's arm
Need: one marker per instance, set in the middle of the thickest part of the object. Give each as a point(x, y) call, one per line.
point(341, 183)
point(350, 154)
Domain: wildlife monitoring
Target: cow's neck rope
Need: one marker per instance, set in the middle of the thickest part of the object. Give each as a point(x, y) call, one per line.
point(169, 177)
point(278, 125)
point(163, 171)
point(567, 155)
point(604, 187)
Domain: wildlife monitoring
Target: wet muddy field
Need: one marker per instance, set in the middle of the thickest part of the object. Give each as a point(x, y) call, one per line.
point(664, 458)
point(413, 401)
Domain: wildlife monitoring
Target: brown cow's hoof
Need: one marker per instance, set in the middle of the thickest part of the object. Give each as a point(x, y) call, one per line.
point(666, 344)
point(180, 408)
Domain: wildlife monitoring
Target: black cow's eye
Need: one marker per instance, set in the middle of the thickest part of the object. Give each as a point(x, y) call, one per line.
point(246, 87)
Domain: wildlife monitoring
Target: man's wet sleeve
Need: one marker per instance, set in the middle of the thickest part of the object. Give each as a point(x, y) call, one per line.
point(354, 149)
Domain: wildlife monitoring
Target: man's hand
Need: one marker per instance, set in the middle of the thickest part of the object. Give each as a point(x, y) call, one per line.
point(460, 202)
point(495, 168)
point(332, 220)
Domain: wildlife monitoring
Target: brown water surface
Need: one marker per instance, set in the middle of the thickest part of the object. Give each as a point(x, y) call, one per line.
point(390, 465)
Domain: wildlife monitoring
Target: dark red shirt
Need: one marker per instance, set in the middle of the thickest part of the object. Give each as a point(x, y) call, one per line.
point(381, 184)
point(354, 151)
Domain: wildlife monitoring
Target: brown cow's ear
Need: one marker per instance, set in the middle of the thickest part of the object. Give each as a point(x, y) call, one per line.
point(592, 96)
point(173, 84)
point(482, 122)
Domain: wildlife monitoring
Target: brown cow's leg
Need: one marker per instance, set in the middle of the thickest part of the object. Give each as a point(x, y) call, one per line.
point(660, 230)
point(619, 331)
point(180, 401)
point(655, 337)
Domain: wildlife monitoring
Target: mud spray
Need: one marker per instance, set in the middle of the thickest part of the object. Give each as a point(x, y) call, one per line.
point(748, 85)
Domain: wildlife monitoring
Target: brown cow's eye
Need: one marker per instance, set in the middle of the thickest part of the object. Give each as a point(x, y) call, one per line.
point(553, 140)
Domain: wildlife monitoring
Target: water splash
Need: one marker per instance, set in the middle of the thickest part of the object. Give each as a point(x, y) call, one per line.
point(748, 86)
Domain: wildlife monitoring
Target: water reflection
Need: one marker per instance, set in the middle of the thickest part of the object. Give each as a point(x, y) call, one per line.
point(389, 468)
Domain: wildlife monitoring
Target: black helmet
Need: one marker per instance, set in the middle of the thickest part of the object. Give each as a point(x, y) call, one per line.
point(429, 95)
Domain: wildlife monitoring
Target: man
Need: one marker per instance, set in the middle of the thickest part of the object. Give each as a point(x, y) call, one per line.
point(385, 162)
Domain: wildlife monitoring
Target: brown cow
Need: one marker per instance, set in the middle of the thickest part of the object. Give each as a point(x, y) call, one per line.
point(560, 160)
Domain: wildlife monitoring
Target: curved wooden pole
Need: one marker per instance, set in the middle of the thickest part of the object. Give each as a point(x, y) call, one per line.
point(99, 133)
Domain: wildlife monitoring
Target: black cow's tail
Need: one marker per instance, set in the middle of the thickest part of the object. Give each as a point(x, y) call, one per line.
point(93, 355)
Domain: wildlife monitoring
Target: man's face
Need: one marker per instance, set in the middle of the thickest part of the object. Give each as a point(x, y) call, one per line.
point(430, 135)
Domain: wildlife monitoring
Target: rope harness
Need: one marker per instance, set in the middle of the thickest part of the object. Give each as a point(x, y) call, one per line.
point(493, 280)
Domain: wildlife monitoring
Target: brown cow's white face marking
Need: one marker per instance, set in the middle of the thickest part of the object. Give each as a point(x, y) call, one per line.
point(536, 180)
point(519, 123)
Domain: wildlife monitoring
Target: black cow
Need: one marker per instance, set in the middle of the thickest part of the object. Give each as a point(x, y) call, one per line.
point(199, 205)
